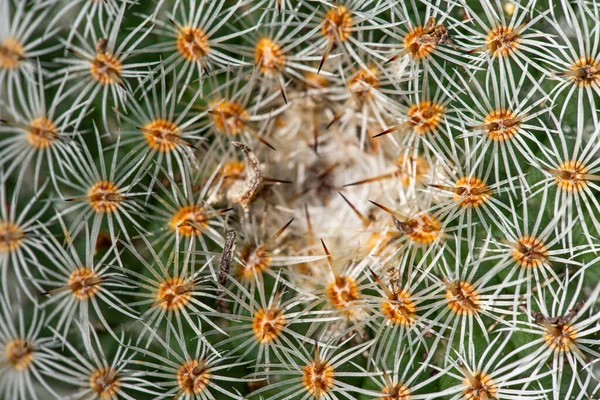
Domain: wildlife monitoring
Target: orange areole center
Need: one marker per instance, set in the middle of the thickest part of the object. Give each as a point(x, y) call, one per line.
point(11, 54)
point(267, 325)
point(338, 24)
point(162, 135)
point(41, 133)
point(193, 377)
point(318, 377)
point(192, 44)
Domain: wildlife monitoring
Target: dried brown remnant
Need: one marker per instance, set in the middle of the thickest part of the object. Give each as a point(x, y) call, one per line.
point(560, 334)
point(392, 274)
point(421, 229)
point(226, 256)
point(224, 267)
point(253, 176)
point(423, 40)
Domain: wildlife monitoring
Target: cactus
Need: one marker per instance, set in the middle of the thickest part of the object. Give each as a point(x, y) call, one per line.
point(311, 199)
